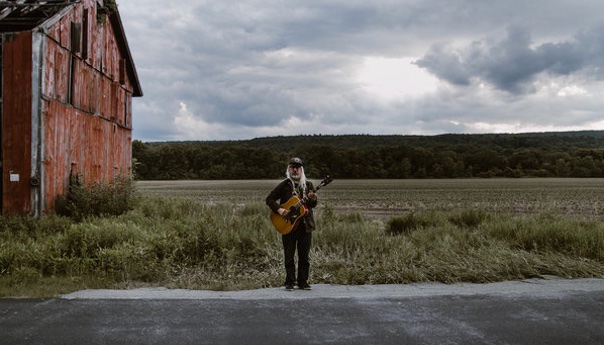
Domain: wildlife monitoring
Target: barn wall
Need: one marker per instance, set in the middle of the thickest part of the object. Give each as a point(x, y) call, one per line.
point(16, 122)
point(85, 144)
point(86, 113)
point(80, 120)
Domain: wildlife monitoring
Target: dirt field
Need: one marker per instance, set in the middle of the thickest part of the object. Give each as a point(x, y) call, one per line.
point(379, 198)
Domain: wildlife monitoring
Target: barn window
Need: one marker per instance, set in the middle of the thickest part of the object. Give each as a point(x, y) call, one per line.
point(122, 71)
point(100, 18)
point(76, 37)
point(127, 108)
point(105, 8)
point(72, 73)
point(85, 29)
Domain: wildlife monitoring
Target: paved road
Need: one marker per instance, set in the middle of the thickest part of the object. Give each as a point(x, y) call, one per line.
point(553, 311)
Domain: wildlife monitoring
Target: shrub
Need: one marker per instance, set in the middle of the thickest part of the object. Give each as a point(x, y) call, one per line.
point(406, 224)
point(351, 217)
point(111, 198)
point(18, 224)
point(469, 218)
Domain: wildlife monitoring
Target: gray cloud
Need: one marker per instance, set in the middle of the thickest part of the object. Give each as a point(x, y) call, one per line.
point(223, 70)
point(513, 63)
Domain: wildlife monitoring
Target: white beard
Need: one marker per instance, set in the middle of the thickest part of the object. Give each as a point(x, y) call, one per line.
point(298, 177)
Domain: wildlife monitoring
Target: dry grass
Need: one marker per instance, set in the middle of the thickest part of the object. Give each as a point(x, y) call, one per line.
point(217, 235)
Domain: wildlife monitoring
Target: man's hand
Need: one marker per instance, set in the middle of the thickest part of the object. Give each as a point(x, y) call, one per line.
point(282, 212)
point(312, 197)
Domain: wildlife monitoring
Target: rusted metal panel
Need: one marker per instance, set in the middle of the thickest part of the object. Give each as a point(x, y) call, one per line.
point(16, 124)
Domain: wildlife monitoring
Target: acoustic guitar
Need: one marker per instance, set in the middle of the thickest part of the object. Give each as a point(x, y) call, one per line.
point(297, 210)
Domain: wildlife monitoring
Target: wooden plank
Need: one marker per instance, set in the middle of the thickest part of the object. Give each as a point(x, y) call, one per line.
point(92, 137)
point(92, 144)
point(16, 127)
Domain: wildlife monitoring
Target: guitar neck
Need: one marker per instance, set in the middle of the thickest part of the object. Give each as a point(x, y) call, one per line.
point(323, 183)
point(305, 199)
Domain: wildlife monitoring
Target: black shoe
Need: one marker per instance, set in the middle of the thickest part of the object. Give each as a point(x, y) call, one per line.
point(304, 286)
point(289, 287)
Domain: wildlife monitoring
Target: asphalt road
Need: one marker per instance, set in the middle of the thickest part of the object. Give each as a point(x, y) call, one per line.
point(552, 311)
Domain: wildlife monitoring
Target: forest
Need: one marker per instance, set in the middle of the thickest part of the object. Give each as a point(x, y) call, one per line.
point(548, 154)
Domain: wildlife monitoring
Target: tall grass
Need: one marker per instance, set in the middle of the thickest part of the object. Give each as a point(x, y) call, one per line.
point(470, 246)
point(180, 243)
point(97, 198)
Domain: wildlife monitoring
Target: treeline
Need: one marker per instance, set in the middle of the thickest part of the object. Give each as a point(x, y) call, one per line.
point(567, 154)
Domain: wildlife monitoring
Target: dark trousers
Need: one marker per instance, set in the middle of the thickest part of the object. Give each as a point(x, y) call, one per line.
point(301, 240)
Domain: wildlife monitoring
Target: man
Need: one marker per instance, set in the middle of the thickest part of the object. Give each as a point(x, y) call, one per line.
point(300, 238)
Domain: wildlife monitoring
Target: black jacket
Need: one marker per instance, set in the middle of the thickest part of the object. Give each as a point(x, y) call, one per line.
point(283, 192)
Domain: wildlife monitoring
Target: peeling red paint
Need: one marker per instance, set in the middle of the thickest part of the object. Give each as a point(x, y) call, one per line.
point(81, 121)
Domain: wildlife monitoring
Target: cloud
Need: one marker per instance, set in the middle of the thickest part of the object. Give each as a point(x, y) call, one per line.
point(256, 68)
point(514, 63)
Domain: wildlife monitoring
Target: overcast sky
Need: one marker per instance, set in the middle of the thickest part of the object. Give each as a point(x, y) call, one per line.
point(231, 70)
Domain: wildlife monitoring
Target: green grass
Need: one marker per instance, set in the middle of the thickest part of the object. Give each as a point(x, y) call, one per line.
point(436, 247)
point(190, 243)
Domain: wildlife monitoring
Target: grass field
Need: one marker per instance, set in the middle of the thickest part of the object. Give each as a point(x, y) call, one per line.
point(217, 235)
point(384, 198)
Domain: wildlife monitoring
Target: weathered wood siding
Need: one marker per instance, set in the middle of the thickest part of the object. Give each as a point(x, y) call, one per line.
point(16, 122)
point(84, 108)
point(88, 132)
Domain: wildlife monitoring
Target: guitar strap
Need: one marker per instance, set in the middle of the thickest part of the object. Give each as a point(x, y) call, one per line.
point(297, 189)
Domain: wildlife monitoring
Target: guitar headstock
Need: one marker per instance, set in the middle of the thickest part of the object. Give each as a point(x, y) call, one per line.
point(327, 180)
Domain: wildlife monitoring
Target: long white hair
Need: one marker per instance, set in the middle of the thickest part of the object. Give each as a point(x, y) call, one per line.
point(302, 179)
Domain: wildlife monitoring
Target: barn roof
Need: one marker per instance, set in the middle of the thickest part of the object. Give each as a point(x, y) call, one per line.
point(25, 15)
point(116, 22)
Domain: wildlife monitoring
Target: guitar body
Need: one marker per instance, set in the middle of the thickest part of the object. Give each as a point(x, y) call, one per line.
point(297, 210)
point(289, 223)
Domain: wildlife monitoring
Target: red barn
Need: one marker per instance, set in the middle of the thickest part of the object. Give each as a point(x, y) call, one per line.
point(66, 83)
